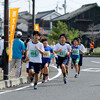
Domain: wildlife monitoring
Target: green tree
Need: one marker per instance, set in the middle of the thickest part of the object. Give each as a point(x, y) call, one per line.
point(62, 28)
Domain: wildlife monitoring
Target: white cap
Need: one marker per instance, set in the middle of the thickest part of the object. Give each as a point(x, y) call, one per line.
point(19, 33)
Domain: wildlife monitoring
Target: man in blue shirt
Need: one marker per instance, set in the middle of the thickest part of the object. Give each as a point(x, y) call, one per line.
point(46, 59)
point(18, 49)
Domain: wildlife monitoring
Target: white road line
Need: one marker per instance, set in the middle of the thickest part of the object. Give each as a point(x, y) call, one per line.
point(95, 62)
point(18, 89)
point(91, 70)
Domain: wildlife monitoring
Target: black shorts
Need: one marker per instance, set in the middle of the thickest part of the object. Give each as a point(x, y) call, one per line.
point(62, 60)
point(81, 60)
point(43, 64)
point(35, 66)
point(68, 60)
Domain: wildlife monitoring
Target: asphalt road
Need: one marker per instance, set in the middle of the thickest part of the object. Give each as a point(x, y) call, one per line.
point(85, 87)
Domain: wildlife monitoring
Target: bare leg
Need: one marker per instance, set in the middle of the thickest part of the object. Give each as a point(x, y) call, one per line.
point(36, 78)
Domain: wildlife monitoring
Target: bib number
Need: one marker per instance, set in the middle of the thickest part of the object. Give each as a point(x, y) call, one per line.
point(62, 54)
point(34, 53)
point(47, 55)
point(76, 52)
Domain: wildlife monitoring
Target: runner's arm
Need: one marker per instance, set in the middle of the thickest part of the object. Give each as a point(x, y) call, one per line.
point(42, 52)
point(58, 51)
point(73, 50)
point(82, 51)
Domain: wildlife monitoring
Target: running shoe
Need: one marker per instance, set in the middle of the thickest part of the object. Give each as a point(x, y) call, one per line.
point(65, 80)
point(67, 72)
point(35, 87)
point(31, 84)
point(76, 76)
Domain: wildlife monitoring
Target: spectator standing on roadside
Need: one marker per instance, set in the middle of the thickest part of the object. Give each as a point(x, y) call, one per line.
point(91, 47)
point(18, 49)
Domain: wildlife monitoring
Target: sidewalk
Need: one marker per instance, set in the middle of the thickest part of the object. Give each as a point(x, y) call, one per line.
point(24, 74)
point(14, 81)
point(22, 80)
point(91, 55)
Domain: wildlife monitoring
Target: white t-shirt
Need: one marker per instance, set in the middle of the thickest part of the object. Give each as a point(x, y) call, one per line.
point(34, 55)
point(52, 46)
point(65, 48)
point(1, 46)
point(82, 48)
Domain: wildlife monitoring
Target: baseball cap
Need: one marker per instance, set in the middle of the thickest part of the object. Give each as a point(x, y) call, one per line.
point(19, 33)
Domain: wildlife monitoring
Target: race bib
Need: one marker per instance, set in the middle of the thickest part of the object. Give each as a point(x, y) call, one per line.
point(76, 52)
point(62, 54)
point(47, 55)
point(34, 53)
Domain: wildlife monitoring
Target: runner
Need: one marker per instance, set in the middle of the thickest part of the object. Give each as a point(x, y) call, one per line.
point(36, 50)
point(75, 54)
point(82, 51)
point(46, 59)
point(63, 51)
point(52, 55)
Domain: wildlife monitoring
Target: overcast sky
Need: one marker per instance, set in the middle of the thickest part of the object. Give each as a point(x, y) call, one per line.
point(44, 5)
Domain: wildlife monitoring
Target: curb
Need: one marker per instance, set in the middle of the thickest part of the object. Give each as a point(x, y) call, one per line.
point(91, 56)
point(13, 82)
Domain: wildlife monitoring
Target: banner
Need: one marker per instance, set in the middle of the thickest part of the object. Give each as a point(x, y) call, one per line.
point(36, 27)
point(13, 20)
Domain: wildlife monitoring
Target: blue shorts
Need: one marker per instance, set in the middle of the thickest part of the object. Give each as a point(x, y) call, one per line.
point(75, 60)
point(35, 66)
point(62, 60)
point(81, 60)
point(52, 56)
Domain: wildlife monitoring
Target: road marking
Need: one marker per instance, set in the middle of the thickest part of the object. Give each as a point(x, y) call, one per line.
point(18, 89)
point(91, 70)
point(95, 62)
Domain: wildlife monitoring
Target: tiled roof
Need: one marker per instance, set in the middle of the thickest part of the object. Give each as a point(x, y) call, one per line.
point(69, 16)
point(42, 14)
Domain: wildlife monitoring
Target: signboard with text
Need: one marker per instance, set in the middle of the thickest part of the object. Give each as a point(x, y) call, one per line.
point(13, 20)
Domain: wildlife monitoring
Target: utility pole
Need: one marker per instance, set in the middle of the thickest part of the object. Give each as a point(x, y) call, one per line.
point(6, 27)
point(29, 6)
point(33, 15)
point(64, 6)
